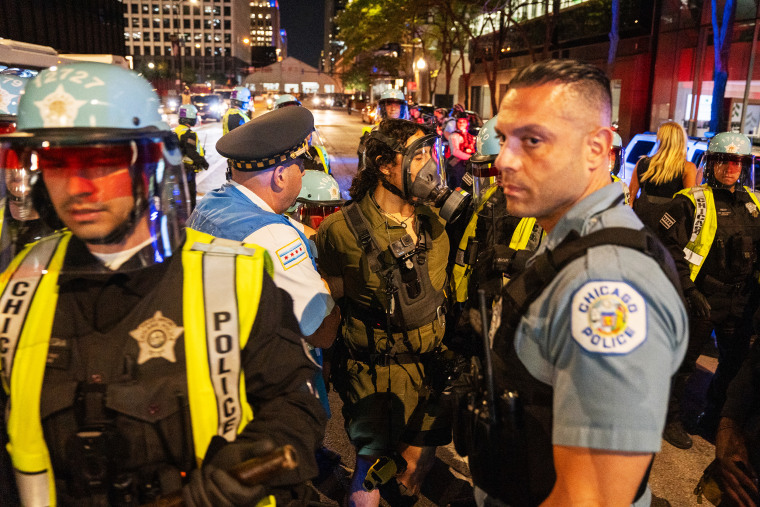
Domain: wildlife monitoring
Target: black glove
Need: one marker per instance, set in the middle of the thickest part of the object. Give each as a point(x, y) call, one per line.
point(204, 164)
point(698, 305)
point(213, 485)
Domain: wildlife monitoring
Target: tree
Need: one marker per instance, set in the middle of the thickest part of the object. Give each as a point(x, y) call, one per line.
point(722, 33)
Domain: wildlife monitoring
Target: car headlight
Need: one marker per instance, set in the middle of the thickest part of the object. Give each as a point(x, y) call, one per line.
point(329, 102)
point(315, 101)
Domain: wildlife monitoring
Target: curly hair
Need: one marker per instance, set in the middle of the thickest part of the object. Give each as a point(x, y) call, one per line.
point(378, 154)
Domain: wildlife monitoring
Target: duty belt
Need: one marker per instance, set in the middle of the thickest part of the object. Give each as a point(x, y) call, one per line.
point(715, 286)
point(384, 359)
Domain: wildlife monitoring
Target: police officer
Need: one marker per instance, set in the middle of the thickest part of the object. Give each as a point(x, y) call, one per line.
point(286, 100)
point(193, 157)
point(135, 366)
point(266, 179)
point(577, 331)
point(713, 232)
point(385, 255)
point(490, 233)
point(392, 104)
point(237, 114)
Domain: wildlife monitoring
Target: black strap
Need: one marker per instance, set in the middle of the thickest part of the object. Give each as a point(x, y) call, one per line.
point(359, 227)
point(520, 293)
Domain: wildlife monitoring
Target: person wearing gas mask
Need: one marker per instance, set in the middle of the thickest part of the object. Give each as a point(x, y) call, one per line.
point(141, 359)
point(384, 256)
point(713, 232)
point(569, 404)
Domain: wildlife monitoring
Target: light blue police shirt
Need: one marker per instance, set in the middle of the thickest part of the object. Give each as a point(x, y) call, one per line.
point(607, 334)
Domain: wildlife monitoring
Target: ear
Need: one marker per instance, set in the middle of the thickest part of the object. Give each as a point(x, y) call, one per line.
point(385, 169)
point(598, 146)
point(278, 176)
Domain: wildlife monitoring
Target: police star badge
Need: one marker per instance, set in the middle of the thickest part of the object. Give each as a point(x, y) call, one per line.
point(156, 338)
point(752, 208)
point(59, 108)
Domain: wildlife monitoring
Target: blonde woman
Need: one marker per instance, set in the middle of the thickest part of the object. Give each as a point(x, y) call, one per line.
point(662, 175)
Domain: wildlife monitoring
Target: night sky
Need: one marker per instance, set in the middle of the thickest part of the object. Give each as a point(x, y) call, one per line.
point(304, 22)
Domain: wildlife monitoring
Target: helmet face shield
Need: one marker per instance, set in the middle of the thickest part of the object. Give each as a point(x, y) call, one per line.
point(423, 167)
point(616, 157)
point(484, 176)
point(102, 192)
point(728, 170)
point(313, 213)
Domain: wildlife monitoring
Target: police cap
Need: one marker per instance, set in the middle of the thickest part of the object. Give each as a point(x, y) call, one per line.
point(269, 140)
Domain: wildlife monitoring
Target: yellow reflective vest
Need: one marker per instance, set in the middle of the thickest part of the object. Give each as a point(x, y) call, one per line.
point(704, 226)
point(460, 273)
point(227, 113)
point(229, 280)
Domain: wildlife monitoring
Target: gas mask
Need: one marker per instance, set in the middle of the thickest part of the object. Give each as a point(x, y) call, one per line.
point(422, 167)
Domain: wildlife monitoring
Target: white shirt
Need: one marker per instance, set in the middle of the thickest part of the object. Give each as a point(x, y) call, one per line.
point(293, 268)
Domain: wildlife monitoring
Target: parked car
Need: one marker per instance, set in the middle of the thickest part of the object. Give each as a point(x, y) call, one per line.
point(210, 106)
point(320, 101)
point(644, 145)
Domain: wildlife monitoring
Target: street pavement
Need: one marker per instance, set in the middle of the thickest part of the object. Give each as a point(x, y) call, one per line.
point(675, 472)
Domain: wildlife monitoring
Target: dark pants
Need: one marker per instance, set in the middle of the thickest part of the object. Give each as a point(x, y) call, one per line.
point(731, 313)
point(191, 187)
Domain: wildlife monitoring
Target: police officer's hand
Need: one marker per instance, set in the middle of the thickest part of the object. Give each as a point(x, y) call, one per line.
point(213, 485)
point(699, 307)
point(204, 164)
point(738, 480)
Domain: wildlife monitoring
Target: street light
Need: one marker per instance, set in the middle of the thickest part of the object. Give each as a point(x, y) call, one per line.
point(151, 65)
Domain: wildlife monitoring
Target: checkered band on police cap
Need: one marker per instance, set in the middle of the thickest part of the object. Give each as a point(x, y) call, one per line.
point(258, 165)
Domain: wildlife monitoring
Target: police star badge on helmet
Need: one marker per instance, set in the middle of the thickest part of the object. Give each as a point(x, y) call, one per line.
point(99, 160)
point(729, 163)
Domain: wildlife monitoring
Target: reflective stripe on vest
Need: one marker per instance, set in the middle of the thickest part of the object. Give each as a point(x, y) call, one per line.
point(523, 234)
point(29, 293)
point(460, 273)
point(626, 190)
point(235, 110)
point(704, 227)
point(218, 403)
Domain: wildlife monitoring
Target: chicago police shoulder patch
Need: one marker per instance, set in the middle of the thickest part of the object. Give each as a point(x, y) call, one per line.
point(608, 317)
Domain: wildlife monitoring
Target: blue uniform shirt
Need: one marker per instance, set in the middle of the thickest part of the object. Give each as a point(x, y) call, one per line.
point(607, 334)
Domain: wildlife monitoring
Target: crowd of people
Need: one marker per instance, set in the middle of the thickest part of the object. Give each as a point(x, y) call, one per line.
point(506, 291)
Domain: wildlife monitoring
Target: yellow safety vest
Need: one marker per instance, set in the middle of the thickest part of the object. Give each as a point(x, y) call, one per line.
point(228, 280)
point(460, 273)
point(704, 227)
point(235, 110)
point(180, 131)
point(626, 190)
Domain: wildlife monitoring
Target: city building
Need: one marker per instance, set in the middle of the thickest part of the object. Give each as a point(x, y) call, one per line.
point(68, 26)
point(662, 69)
point(189, 40)
point(268, 41)
point(332, 46)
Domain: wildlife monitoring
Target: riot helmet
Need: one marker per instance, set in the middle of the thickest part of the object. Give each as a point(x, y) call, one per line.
point(240, 97)
point(101, 162)
point(286, 100)
point(423, 174)
point(484, 173)
point(617, 153)
point(319, 198)
point(728, 162)
point(187, 115)
point(392, 104)
point(11, 87)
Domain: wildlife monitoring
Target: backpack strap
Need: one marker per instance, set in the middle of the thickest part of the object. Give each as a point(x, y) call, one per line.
point(359, 227)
